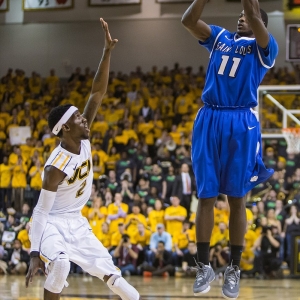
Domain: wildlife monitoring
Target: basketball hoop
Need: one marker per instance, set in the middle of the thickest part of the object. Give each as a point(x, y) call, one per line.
point(292, 136)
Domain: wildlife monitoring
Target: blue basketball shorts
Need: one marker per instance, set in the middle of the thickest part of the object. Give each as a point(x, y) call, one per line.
point(226, 152)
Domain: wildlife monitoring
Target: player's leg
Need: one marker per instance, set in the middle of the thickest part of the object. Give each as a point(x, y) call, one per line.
point(204, 225)
point(241, 170)
point(237, 230)
point(206, 168)
point(57, 265)
point(87, 252)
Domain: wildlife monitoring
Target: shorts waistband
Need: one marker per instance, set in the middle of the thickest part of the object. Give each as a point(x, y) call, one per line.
point(230, 108)
point(74, 215)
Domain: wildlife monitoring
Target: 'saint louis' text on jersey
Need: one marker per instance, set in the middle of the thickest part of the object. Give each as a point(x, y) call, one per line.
point(238, 49)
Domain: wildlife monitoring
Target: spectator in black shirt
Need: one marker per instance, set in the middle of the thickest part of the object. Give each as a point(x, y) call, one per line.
point(18, 259)
point(156, 179)
point(269, 245)
point(123, 164)
point(168, 185)
point(291, 227)
point(161, 264)
point(189, 260)
point(111, 183)
point(25, 215)
point(127, 255)
point(146, 111)
point(126, 191)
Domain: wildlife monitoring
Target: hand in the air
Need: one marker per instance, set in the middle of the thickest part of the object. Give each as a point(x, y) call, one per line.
point(109, 42)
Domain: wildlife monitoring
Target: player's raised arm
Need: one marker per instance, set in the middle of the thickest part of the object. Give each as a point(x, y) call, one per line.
point(52, 178)
point(101, 78)
point(253, 16)
point(191, 21)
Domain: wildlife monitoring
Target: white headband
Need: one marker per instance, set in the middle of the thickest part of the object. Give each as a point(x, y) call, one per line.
point(64, 119)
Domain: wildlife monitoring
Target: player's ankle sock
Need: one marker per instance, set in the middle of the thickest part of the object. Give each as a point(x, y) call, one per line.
point(235, 255)
point(203, 253)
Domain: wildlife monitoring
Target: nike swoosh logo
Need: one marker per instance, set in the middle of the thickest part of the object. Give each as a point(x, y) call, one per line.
point(250, 128)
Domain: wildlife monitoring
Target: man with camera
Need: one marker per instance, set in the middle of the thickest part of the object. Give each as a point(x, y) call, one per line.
point(268, 245)
point(127, 255)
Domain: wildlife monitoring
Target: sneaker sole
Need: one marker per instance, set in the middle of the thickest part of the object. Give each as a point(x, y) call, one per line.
point(203, 292)
point(224, 296)
point(206, 290)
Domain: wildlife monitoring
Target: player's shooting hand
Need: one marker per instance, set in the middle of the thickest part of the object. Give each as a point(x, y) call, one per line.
point(109, 42)
point(35, 264)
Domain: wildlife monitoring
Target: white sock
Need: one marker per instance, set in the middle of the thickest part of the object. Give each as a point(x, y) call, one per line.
point(122, 288)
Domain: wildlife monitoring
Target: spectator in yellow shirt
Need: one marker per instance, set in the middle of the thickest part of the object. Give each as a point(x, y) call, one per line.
point(141, 237)
point(23, 236)
point(136, 105)
point(97, 168)
point(133, 219)
point(156, 216)
point(104, 236)
point(35, 84)
point(26, 149)
point(116, 213)
point(220, 236)
point(99, 125)
point(52, 80)
point(182, 103)
point(5, 184)
point(97, 215)
point(130, 133)
point(112, 159)
point(117, 236)
point(120, 140)
point(13, 157)
point(19, 183)
point(35, 174)
point(181, 241)
point(174, 216)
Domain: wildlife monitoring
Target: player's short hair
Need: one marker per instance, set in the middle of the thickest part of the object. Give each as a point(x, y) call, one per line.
point(55, 115)
point(264, 17)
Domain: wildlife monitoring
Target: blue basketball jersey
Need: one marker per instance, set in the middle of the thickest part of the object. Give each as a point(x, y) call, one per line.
point(236, 68)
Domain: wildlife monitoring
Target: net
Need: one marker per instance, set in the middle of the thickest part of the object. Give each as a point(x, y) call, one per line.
point(292, 136)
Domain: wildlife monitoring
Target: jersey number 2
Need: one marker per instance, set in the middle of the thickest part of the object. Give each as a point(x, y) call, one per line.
point(80, 191)
point(236, 62)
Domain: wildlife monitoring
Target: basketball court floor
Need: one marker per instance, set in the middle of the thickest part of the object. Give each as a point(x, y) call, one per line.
point(87, 287)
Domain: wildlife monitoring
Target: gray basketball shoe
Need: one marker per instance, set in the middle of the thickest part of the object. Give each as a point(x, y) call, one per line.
point(204, 276)
point(231, 287)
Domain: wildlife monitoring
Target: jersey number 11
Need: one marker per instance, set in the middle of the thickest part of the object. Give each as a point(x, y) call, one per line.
point(236, 62)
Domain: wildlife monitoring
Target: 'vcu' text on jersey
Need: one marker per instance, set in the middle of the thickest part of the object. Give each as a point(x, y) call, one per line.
point(81, 172)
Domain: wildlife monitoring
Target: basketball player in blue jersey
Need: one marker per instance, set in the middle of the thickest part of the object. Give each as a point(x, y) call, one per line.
point(59, 233)
point(226, 144)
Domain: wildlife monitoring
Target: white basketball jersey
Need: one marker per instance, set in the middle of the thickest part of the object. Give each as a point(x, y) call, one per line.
point(75, 190)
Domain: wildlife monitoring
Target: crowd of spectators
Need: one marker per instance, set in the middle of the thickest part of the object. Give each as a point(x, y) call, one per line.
point(142, 205)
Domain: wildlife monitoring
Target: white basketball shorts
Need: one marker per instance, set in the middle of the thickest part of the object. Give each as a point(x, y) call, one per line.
point(72, 234)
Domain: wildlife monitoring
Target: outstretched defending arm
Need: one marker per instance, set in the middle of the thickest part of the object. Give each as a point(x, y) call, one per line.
point(191, 21)
point(101, 78)
point(52, 178)
point(252, 13)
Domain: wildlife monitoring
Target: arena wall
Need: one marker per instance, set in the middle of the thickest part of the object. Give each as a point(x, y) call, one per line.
point(148, 34)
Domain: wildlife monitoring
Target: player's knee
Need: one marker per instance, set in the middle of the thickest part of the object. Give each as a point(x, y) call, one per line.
point(59, 271)
point(122, 288)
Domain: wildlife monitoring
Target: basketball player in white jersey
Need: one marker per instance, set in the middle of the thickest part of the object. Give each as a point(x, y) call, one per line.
point(59, 233)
